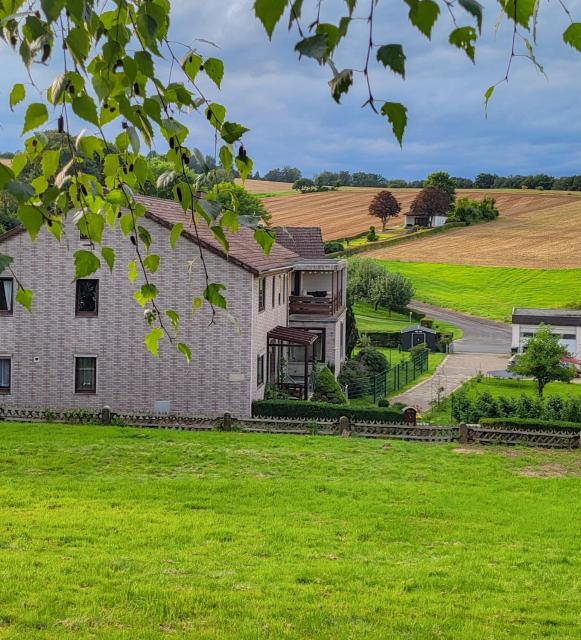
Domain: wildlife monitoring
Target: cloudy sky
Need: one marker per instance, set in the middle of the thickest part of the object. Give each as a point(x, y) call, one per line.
point(533, 124)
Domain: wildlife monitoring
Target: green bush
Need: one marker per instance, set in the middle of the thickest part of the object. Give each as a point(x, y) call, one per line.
point(383, 402)
point(427, 322)
point(334, 246)
point(371, 235)
point(351, 373)
point(373, 360)
point(419, 348)
point(327, 389)
point(304, 409)
point(389, 339)
point(531, 424)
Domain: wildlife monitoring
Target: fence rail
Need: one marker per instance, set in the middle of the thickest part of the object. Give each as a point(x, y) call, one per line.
point(465, 434)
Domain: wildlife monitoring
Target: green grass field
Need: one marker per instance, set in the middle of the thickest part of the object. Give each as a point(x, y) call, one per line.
point(499, 387)
point(490, 292)
point(112, 533)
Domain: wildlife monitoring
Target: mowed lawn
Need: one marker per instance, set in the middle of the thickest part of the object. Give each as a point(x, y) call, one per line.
point(490, 292)
point(125, 533)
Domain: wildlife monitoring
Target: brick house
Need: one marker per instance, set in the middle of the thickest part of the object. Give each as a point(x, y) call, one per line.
point(82, 347)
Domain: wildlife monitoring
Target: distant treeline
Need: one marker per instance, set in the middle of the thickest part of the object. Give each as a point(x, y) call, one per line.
point(481, 181)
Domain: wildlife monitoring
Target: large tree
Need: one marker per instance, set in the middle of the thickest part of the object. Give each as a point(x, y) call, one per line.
point(542, 360)
point(443, 181)
point(430, 201)
point(384, 206)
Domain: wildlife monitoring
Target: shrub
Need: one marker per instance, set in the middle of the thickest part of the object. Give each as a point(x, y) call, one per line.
point(327, 389)
point(308, 410)
point(371, 235)
point(373, 360)
point(351, 372)
point(334, 246)
point(390, 339)
point(419, 348)
point(383, 402)
point(427, 322)
point(532, 424)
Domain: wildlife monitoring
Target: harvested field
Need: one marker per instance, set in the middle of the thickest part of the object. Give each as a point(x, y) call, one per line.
point(539, 233)
point(344, 213)
point(265, 186)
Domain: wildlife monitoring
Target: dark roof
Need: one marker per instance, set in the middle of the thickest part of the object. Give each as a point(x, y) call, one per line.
point(293, 335)
point(563, 317)
point(306, 241)
point(422, 329)
point(244, 249)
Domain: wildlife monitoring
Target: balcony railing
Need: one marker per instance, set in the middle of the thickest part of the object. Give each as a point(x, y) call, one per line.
point(311, 305)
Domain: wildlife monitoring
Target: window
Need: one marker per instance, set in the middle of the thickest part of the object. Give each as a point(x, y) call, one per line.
point(319, 346)
point(280, 290)
point(87, 303)
point(6, 296)
point(261, 294)
point(5, 371)
point(85, 375)
point(342, 338)
point(260, 370)
point(273, 290)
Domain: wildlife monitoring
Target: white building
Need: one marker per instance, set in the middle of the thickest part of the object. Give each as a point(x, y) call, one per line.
point(566, 323)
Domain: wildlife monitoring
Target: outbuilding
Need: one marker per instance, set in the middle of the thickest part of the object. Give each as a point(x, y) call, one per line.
point(413, 336)
point(564, 323)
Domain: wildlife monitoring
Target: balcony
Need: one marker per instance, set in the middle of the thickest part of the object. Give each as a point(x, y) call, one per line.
point(313, 305)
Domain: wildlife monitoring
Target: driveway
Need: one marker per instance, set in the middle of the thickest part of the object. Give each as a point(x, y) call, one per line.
point(451, 374)
point(480, 335)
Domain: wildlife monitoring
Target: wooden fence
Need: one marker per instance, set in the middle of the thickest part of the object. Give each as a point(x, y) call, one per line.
point(465, 434)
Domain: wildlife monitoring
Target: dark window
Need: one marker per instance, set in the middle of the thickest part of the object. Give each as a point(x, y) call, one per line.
point(261, 294)
point(297, 283)
point(273, 289)
point(5, 371)
point(260, 370)
point(6, 295)
point(85, 375)
point(87, 298)
point(568, 336)
point(319, 346)
point(280, 290)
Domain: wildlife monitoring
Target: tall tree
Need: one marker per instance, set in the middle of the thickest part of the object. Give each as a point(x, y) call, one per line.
point(384, 206)
point(443, 181)
point(542, 360)
point(430, 201)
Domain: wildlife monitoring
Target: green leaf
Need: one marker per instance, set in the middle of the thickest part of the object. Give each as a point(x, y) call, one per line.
point(520, 11)
point(341, 83)
point(79, 45)
point(152, 341)
point(423, 15)
point(144, 63)
point(191, 64)
point(50, 162)
point(197, 304)
point(56, 89)
point(183, 348)
point(176, 232)
point(313, 47)
point(572, 35)
point(6, 175)
point(214, 297)
point(40, 185)
point(232, 131)
point(464, 38)
point(132, 271)
point(244, 165)
point(36, 115)
point(151, 263)
point(5, 262)
point(20, 190)
point(392, 56)
point(31, 219)
point(109, 257)
point(475, 9)
point(265, 239)
point(214, 67)
point(269, 12)
point(17, 95)
point(147, 292)
point(84, 107)
point(215, 114)
point(86, 263)
point(174, 318)
point(397, 115)
point(24, 297)
point(226, 158)
point(52, 8)
point(487, 96)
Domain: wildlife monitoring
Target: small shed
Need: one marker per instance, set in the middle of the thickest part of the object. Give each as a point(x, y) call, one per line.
point(413, 336)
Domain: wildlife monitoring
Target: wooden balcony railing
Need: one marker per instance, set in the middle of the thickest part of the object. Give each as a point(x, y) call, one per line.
point(311, 305)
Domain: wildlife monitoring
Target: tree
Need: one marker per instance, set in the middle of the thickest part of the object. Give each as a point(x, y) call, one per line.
point(444, 182)
point(304, 185)
point(393, 291)
point(542, 360)
point(233, 197)
point(384, 206)
point(286, 174)
point(430, 201)
point(471, 211)
point(351, 332)
point(362, 275)
point(327, 389)
point(484, 180)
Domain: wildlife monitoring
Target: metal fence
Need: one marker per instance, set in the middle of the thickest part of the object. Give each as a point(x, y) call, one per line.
point(380, 385)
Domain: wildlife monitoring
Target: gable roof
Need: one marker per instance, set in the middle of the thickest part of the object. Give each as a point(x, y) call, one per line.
point(419, 329)
point(244, 250)
point(306, 241)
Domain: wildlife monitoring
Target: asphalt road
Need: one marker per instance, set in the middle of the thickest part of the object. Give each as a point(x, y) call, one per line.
point(480, 335)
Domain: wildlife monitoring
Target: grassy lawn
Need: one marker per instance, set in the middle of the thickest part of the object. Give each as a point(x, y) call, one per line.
point(370, 319)
point(491, 292)
point(498, 387)
point(114, 533)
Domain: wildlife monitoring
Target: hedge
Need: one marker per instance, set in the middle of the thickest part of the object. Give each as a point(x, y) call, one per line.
point(305, 409)
point(383, 338)
point(531, 424)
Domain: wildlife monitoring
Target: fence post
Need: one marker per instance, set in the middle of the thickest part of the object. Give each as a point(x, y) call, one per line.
point(227, 424)
point(463, 434)
point(106, 415)
point(344, 427)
